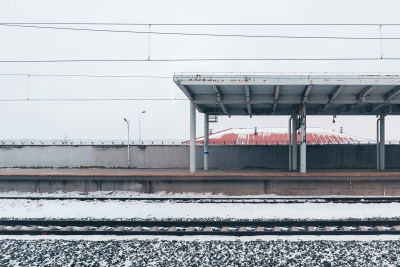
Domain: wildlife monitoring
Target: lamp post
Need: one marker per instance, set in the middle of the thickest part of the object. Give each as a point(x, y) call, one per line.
point(127, 122)
point(140, 133)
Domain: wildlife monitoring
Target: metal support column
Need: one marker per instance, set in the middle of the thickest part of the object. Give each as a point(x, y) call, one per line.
point(290, 142)
point(206, 133)
point(377, 144)
point(382, 144)
point(192, 138)
point(303, 156)
point(294, 143)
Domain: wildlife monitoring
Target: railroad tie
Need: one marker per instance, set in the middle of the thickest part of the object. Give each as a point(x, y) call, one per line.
point(311, 228)
point(362, 228)
point(16, 228)
point(102, 228)
point(154, 229)
point(84, 228)
point(395, 228)
point(276, 229)
point(49, 228)
point(33, 228)
point(190, 229)
point(67, 228)
point(207, 229)
point(328, 229)
point(172, 229)
point(137, 229)
point(345, 228)
point(379, 228)
point(242, 229)
point(224, 229)
point(294, 229)
point(2, 227)
point(119, 228)
point(259, 229)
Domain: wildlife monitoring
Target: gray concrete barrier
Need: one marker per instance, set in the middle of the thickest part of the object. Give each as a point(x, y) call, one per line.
point(220, 157)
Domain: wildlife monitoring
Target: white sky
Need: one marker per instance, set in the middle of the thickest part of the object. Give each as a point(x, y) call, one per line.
point(170, 119)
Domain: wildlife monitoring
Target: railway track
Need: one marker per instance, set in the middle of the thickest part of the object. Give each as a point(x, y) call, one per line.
point(182, 228)
point(216, 200)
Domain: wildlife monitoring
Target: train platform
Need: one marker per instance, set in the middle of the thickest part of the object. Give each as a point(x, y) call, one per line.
point(183, 174)
point(354, 182)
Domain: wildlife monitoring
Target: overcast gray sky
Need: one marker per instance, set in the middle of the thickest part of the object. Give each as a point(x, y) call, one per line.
point(170, 119)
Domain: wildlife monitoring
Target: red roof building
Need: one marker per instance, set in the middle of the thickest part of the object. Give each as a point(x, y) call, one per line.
point(278, 136)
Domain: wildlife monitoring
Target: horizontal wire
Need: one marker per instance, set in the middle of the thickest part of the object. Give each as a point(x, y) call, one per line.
point(204, 34)
point(91, 99)
point(202, 24)
point(86, 75)
point(196, 59)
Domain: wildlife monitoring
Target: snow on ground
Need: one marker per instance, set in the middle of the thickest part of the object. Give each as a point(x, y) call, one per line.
point(112, 209)
point(200, 238)
point(208, 253)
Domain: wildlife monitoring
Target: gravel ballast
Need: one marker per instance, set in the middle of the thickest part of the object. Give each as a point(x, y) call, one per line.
point(198, 253)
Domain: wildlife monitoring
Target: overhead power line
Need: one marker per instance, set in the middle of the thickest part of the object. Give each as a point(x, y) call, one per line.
point(201, 24)
point(87, 75)
point(202, 34)
point(196, 59)
point(91, 99)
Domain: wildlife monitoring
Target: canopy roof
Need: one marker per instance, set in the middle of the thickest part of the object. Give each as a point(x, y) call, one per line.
point(229, 94)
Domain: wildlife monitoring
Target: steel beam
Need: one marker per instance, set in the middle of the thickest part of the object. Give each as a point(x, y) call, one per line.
point(276, 98)
point(332, 96)
point(219, 98)
point(306, 92)
point(192, 138)
point(303, 139)
point(247, 92)
point(325, 79)
point(206, 140)
point(382, 144)
point(393, 93)
point(290, 142)
point(294, 143)
point(365, 92)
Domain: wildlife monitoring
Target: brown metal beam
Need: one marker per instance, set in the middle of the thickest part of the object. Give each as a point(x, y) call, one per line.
point(332, 96)
point(219, 98)
point(247, 91)
point(276, 98)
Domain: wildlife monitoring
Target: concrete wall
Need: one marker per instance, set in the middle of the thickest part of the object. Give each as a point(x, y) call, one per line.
point(232, 187)
point(222, 157)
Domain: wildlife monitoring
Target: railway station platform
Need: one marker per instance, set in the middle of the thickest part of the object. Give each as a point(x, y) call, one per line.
point(353, 182)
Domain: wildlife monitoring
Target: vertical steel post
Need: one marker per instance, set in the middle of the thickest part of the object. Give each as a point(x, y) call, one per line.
point(303, 144)
point(294, 143)
point(129, 165)
point(290, 142)
point(206, 133)
point(377, 145)
point(192, 138)
point(382, 143)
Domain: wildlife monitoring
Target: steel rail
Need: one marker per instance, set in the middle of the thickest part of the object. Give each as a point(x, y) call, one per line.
point(181, 228)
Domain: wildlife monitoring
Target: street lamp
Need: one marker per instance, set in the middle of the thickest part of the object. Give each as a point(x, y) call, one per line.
point(127, 122)
point(140, 133)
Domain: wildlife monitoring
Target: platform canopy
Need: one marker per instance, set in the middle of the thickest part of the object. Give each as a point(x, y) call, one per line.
point(270, 94)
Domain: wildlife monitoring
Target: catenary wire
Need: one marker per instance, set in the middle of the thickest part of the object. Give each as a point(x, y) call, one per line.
point(91, 99)
point(196, 59)
point(202, 34)
point(201, 24)
point(87, 75)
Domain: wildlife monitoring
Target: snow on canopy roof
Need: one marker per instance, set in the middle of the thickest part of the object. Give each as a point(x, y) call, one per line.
point(259, 136)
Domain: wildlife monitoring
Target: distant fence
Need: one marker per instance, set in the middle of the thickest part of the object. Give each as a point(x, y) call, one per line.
point(167, 142)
